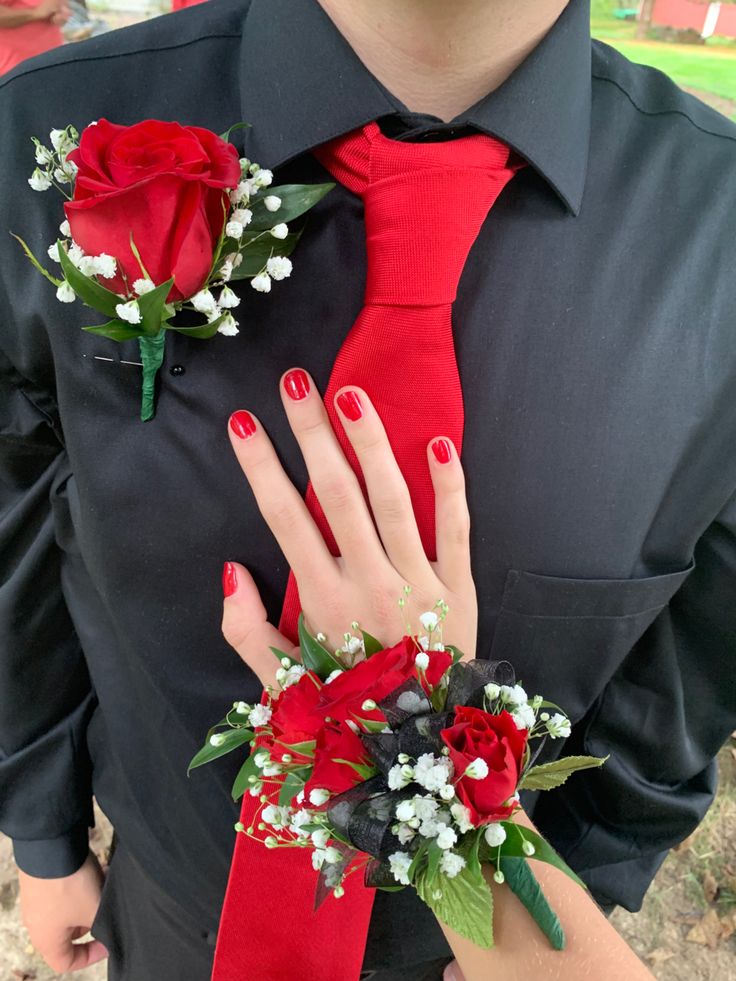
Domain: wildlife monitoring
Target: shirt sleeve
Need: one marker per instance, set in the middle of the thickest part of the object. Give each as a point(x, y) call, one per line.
point(45, 692)
point(662, 719)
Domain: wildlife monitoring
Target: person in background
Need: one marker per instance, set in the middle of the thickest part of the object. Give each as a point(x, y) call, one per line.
point(28, 27)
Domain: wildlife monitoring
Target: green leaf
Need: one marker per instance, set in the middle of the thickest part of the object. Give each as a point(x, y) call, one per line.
point(290, 787)
point(152, 307)
point(512, 848)
point(302, 749)
point(296, 199)
point(116, 330)
point(369, 725)
point(434, 855)
point(241, 782)
point(465, 904)
point(36, 263)
point(457, 654)
point(202, 331)
point(232, 740)
point(372, 646)
point(87, 289)
point(523, 883)
point(315, 657)
point(226, 135)
point(554, 774)
point(256, 253)
point(364, 771)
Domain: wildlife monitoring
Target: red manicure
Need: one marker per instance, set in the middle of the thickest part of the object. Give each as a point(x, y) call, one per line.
point(242, 424)
point(442, 451)
point(350, 405)
point(296, 383)
point(229, 579)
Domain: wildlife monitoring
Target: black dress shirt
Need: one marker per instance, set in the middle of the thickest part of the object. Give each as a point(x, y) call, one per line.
point(594, 329)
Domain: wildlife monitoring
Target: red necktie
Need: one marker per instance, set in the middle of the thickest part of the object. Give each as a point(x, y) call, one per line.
point(424, 206)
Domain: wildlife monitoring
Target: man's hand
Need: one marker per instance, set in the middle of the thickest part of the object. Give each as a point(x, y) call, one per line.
point(58, 911)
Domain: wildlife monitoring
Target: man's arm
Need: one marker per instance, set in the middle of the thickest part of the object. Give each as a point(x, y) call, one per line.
point(663, 718)
point(46, 700)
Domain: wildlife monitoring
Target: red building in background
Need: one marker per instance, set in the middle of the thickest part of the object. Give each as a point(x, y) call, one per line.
point(707, 19)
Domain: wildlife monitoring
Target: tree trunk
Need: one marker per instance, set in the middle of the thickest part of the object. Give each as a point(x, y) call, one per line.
point(645, 18)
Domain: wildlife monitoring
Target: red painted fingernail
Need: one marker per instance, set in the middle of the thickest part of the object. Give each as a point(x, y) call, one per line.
point(350, 405)
point(442, 451)
point(229, 579)
point(296, 383)
point(242, 424)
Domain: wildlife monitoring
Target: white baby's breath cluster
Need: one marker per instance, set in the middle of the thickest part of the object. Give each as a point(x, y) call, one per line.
point(525, 711)
point(53, 169)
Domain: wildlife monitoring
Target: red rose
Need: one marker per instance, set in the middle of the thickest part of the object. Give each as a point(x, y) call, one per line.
point(497, 741)
point(161, 181)
point(337, 742)
point(376, 677)
point(297, 717)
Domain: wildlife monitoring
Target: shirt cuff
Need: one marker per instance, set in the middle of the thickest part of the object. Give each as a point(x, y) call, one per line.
point(53, 858)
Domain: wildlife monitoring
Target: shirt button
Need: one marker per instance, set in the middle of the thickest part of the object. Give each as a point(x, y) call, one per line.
point(177, 369)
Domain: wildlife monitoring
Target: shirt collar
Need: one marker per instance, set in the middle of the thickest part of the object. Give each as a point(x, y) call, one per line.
point(302, 84)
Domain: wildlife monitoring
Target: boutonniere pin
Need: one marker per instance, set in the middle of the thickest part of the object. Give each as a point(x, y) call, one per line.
point(159, 218)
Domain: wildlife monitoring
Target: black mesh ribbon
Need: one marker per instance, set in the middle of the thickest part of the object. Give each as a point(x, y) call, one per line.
point(364, 814)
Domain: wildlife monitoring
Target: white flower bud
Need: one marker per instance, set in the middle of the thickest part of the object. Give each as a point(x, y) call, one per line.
point(429, 620)
point(39, 181)
point(204, 302)
point(143, 286)
point(261, 283)
point(499, 877)
point(263, 178)
point(318, 796)
point(53, 251)
point(279, 267)
point(320, 837)
point(528, 848)
point(129, 311)
point(233, 229)
point(228, 299)
point(422, 661)
point(65, 293)
point(65, 229)
point(368, 705)
point(280, 231)
point(43, 154)
point(495, 835)
point(478, 769)
point(272, 201)
point(217, 739)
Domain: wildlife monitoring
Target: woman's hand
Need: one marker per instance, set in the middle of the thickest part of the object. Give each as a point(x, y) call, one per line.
point(376, 559)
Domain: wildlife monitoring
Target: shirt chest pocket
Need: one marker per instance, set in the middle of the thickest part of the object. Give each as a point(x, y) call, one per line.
point(567, 637)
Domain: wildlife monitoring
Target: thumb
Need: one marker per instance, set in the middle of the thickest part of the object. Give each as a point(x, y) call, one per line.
point(245, 624)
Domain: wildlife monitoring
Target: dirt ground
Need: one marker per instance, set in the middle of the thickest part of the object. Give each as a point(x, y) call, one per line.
point(686, 930)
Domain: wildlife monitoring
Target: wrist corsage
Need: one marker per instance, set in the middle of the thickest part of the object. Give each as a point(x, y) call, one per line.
point(405, 764)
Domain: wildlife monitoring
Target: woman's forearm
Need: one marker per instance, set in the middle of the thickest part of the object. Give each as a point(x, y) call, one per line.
point(594, 949)
point(17, 18)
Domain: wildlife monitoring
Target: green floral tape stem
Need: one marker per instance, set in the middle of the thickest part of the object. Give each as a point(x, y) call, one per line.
point(152, 356)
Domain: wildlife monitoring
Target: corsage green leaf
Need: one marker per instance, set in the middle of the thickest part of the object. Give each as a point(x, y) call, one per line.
point(258, 251)
point(372, 646)
point(464, 904)
point(315, 656)
point(241, 782)
point(231, 740)
point(116, 330)
point(296, 199)
point(513, 847)
point(87, 289)
point(44, 272)
point(550, 775)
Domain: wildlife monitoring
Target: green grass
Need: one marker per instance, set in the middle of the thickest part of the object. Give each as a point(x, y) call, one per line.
point(710, 67)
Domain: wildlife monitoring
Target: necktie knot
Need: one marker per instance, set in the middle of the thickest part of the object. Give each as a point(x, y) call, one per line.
point(424, 206)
